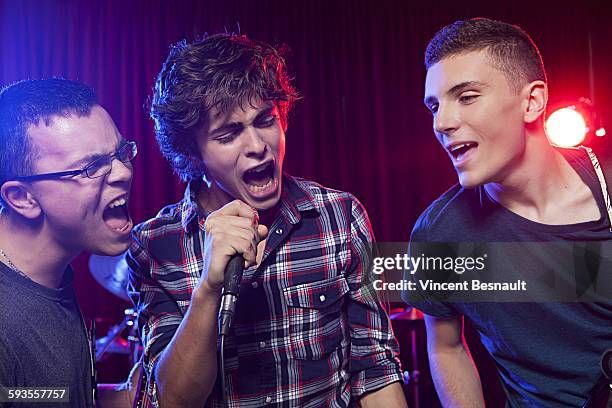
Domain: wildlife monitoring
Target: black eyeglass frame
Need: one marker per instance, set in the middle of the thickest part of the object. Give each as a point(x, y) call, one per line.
point(74, 173)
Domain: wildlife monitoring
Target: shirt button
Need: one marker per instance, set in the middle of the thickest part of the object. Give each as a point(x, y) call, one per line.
point(262, 344)
point(279, 231)
point(268, 400)
point(322, 298)
point(255, 285)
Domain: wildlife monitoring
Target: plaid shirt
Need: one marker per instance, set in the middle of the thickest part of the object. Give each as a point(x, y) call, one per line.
point(306, 332)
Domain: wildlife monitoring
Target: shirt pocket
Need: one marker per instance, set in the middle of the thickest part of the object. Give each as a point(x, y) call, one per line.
point(316, 323)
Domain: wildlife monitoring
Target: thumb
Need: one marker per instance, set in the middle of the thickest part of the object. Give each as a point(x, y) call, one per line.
point(262, 231)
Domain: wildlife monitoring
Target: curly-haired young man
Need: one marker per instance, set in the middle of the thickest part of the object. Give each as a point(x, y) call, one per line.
point(306, 331)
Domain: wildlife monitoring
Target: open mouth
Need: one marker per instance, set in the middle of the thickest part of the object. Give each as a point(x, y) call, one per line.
point(458, 151)
point(116, 215)
point(261, 177)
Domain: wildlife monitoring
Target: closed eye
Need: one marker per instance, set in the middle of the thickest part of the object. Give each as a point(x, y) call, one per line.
point(266, 120)
point(466, 99)
point(229, 134)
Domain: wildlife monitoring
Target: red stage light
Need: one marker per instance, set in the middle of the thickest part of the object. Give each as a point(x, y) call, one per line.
point(566, 127)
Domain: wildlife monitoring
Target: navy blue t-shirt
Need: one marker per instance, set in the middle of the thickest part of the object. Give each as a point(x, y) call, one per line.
point(547, 353)
point(43, 342)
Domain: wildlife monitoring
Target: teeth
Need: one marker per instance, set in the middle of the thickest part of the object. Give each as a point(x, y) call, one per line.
point(459, 146)
point(117, 203)
point(261, 188)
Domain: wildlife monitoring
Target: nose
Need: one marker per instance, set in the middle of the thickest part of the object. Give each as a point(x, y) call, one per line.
point(254, 144)
point(446, 120)
point(120, 172)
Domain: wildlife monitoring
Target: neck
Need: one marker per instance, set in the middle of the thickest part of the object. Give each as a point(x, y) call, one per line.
point(32, 252)
point(211, 198)
point(266, 217)
point(537, 182)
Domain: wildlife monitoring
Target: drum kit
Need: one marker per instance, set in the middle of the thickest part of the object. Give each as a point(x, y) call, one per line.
point(111, 272)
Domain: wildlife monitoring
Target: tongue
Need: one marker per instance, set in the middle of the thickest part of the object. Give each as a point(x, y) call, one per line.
point(115, 218)
point(259, 182)
point(460, 152)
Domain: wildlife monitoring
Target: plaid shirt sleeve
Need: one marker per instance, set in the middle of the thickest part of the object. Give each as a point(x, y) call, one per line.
point(158, 314)
point(374, 356)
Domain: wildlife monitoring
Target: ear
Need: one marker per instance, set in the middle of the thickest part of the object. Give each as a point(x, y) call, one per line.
point(536, 97)
point(20, 199)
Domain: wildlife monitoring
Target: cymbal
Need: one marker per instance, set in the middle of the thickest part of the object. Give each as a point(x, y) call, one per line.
point(111, 272)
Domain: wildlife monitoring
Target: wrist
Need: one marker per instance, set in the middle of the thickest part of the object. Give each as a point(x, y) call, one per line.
point(205, 293)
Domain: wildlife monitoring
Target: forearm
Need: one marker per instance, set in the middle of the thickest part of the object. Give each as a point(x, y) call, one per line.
point(187, 368)
point(390, 396)
point(455, 377)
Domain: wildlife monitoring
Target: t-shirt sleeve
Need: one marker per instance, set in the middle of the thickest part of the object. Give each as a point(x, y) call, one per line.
point(418, 297)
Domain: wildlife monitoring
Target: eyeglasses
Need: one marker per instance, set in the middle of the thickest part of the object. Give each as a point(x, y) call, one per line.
point(97, 168)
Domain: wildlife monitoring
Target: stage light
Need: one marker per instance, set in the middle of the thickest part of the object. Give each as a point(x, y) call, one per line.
point(601, 132)
point(566, 127)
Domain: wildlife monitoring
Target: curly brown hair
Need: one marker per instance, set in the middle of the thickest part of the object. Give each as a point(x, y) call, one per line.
point(221, 71)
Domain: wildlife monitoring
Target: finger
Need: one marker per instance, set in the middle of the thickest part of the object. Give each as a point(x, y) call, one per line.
point(230, 245)
point(240, 209)
point(222, 222)
point(247, 249)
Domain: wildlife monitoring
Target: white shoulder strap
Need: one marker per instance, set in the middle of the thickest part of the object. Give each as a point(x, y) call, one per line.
point(602, 182)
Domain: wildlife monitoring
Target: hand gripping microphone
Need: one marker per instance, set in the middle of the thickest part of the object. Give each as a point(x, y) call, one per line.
point(231, 288)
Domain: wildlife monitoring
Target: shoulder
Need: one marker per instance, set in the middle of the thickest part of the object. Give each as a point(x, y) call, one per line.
point(322, 195)
point(326, 200)
point(448, 210)
point(167, 218)
point(158, 237)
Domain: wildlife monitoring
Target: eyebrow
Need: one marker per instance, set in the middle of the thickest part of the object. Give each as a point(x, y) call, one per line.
point(83, 162)
point(460, 87)
point(238, 125)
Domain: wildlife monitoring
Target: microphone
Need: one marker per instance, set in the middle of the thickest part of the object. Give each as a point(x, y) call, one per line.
point(231, 288)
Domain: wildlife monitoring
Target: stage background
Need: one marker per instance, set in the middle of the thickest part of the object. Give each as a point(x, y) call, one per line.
point(361, 125)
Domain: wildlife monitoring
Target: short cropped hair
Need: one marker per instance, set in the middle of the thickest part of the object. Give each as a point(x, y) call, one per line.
point(221, 71)
point(510, 48)
point(27, 103)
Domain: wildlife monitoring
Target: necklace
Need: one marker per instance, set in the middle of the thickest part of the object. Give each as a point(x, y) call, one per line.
point(12, 265)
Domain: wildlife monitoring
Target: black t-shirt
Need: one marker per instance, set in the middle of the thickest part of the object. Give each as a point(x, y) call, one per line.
point(42, 339)
point(547, 353)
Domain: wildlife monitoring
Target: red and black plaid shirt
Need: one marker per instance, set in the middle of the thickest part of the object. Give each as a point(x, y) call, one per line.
point(307, 332)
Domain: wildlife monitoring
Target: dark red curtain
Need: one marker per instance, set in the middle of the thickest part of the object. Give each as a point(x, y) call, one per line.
point(361, 126)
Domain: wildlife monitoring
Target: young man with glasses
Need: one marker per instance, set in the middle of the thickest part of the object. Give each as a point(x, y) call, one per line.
point(65, 177)
point(307, 331)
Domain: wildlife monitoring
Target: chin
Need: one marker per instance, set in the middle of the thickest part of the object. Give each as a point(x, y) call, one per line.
point(112, 249)
point(469, 182)
point(266, 205)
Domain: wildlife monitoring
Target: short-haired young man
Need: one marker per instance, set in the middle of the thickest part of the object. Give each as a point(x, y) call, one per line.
point(65, 177)
point(487, 91)
point(307, 332)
